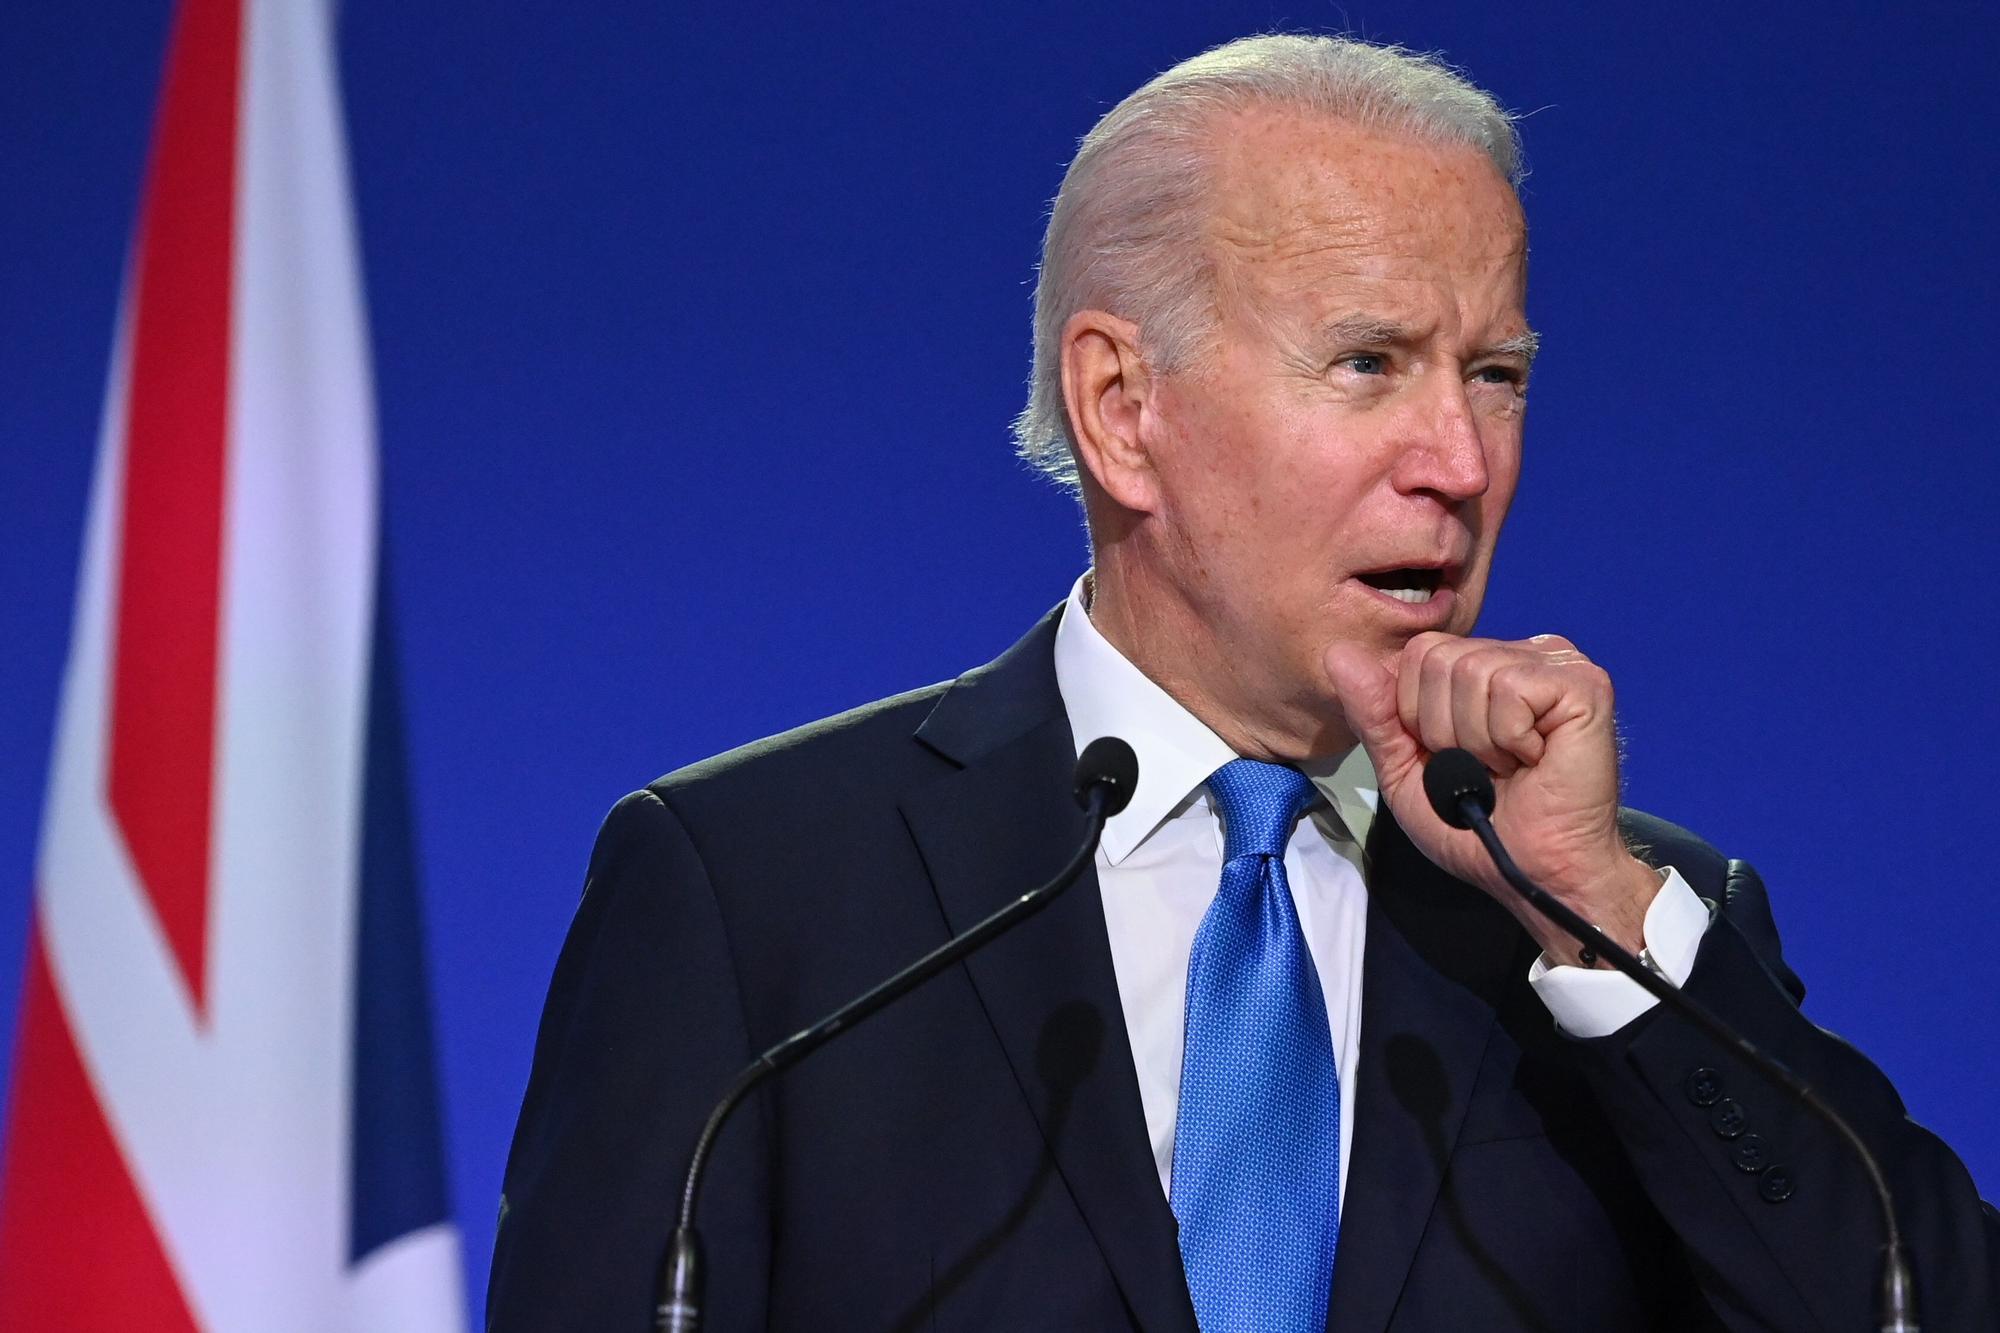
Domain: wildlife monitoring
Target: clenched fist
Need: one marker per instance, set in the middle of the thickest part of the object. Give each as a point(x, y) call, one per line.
point(1538, 713)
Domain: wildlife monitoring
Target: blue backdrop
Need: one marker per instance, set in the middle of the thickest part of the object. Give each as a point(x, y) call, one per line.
point(697, 330)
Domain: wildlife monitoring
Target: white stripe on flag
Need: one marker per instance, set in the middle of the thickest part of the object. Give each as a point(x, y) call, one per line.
point(237, 1129)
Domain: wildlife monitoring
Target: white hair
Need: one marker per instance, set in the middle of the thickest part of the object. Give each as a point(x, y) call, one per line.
point(1126, 229)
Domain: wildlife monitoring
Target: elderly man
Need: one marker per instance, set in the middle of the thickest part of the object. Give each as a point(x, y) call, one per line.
point(1293, 1058)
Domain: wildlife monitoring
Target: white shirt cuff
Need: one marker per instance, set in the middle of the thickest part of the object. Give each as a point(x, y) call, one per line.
point(1592, 1002)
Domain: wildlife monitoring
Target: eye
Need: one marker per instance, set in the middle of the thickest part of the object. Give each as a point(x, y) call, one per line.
point(1366, 363)
point(1500, 375)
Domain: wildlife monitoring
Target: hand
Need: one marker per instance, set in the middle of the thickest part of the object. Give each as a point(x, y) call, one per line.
point(1538, 714)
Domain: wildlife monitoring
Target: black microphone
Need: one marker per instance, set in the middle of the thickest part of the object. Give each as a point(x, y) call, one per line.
point(1461, 791)
point(1106, 773)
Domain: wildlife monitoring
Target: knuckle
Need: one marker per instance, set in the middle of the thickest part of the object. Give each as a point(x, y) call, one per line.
point(1594, 678)
point(1420, 645)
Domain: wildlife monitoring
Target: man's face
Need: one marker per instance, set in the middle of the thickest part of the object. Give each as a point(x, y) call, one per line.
point(1338, 466)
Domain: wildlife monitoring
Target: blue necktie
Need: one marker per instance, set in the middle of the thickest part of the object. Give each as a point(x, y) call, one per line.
point(1256, 1180)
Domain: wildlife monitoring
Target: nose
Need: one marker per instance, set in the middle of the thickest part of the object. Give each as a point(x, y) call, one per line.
point(1445, 454)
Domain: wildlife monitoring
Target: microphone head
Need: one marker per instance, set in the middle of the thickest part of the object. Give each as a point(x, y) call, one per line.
point(1109, 763)
point(1450, 778)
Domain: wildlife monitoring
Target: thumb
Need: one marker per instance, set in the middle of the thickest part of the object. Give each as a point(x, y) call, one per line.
point(1366, 689)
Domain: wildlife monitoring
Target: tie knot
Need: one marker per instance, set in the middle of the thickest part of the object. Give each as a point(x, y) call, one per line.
point(1258, 803)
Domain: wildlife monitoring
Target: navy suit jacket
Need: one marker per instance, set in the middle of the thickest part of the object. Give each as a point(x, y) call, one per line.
point(976, 1158)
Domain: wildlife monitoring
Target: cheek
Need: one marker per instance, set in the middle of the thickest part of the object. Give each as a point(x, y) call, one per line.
point(1205, 513)
point(1506, 476)
point(1267, 489)
point(1215, 466)
point(1500, 440)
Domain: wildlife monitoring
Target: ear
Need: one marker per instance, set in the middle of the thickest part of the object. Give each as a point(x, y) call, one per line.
point(1108, 391)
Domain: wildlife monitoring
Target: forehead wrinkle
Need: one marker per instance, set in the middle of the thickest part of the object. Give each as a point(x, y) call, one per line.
point(1271, 252)
point(1288, 237)
point(1291, 210)
point(1302, 210)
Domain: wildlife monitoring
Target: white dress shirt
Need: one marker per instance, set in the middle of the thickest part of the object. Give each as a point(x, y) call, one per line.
point(1160, 864)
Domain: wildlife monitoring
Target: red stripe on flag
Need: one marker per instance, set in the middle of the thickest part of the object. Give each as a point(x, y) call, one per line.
point(170, 554)
point(78, 1252)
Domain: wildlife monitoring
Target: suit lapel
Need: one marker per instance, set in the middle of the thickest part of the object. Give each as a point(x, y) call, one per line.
point(988, 833)
point(1438, 956)
point(1438, 960)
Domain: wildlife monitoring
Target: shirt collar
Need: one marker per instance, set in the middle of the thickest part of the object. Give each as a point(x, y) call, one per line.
point(1106, 695)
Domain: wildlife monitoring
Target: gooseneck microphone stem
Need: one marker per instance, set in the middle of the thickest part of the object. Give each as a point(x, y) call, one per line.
point(1105, 778)
point(1466, 801)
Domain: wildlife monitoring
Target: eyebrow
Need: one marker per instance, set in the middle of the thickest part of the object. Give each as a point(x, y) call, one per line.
point(1527, 346)
point(1375, 331)
point(1365, 331)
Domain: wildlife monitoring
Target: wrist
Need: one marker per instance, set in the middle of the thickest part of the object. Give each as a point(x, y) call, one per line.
point(1615, 901)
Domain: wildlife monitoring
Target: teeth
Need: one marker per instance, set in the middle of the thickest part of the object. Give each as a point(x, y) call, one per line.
point(1414, 584)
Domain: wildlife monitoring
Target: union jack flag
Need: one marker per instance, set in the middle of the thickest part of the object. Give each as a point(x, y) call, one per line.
point(222, 1112)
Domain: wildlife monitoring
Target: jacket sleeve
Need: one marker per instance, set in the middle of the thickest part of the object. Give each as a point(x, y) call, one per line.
point(1779, 1223)
point(641, 1031)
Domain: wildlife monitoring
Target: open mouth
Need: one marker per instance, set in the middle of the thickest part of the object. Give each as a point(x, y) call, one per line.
point(1409, 584)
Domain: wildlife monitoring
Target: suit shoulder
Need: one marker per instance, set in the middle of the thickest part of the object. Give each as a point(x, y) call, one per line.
point(1732, 885)
point(873, 742)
